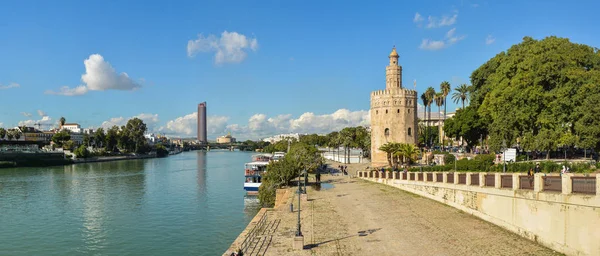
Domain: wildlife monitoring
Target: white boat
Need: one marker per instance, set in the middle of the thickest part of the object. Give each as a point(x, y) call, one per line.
point(253, 175)
point(278, 155)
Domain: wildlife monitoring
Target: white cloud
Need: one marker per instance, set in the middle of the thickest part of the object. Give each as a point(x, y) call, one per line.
point(99, 76)
point(26, 114)
point(11, 85)
point(435, 22)
point(489, 40)
point(433, 45)
point(151, 121)
point(41, 113)
point(418, 18)
point(231, 47)
point(1, 124)
point(260, 125)
point(45, 121)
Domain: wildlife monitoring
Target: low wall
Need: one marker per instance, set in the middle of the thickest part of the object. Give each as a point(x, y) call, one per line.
point(353, 159)
point(560, 212)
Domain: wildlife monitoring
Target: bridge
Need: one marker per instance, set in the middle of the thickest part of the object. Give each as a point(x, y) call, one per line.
point(211, 146)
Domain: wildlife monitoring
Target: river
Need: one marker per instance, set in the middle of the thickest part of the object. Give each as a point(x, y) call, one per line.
point(187, 204)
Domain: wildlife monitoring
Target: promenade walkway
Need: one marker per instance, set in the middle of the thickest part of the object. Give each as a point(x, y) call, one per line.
point(357, 217)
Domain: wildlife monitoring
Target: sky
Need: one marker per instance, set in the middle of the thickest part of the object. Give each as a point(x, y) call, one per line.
point(263, 68)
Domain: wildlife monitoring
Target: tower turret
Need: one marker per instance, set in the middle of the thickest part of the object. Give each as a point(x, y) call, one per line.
point(393, 72)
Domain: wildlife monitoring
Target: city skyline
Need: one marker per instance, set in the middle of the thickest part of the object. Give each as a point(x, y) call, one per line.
point(263, 74)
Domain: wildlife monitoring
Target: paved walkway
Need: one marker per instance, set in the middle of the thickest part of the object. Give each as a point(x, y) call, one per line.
point(358, 217)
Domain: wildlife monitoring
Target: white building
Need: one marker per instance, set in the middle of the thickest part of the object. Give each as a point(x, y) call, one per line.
point(276, 138)
point(151, 138)
point(72, 127)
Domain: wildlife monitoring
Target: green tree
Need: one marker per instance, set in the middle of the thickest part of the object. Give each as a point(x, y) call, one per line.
point(16, 134)
point(61, 137)
point(445, 90)
point(68, 145)
point(461, 94)
point(532, 90)
point(430, 95)
point(466, 123)
point(161, 150)
point(99, 137)
point(2, 133)
point(86, 140)
point(425, 101)
point(81, 152)
point(112, 139)
point(62, 121)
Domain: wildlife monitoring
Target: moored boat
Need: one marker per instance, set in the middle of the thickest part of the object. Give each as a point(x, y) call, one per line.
point(253, 175)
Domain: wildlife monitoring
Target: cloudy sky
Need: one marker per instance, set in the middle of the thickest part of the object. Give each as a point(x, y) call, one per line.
point(263, 69)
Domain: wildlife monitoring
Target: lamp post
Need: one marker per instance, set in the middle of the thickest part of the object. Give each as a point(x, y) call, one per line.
point(305, 179)
point(299, 231)
point(504, 156)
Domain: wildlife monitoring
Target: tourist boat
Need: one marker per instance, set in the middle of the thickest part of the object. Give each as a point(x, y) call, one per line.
point(262, 158)
point(253, 175)
point(278, 155)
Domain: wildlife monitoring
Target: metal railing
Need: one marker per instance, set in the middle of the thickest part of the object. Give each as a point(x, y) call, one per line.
point(462, 178)
point(584, 185)
point(526, 182)
point(552, 183)
point(475, 179)
point(506, 181)
point(254, 232)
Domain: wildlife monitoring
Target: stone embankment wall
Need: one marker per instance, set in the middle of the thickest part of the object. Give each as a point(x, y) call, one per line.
point(560, 212)
point(282, 198)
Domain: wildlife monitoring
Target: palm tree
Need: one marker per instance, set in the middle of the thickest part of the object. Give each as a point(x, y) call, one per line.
point(387, 148)
point(62, 121)
point(439, 101)
point(16, 134)
point(445, 90)
point(410, 153)
point(425, 102)
point(9, 135)
point(461, 94)
point(430, 93)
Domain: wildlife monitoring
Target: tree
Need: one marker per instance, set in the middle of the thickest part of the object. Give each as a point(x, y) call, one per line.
point(112, 139)
point(439, 101)
point(161, 151)
point(68, 145)
point(430, 94)
point(461, 94)
point(535, 88)
point(409, 153)
point(61, 137)
point(86, 140)
point(10, 134)
point(81, 152)
point(16, 134)
point(466, 123)
point(2, 133)
point(425, 103)
point(445, 90)
point(62, 121)
point(99, 138)
point(388, 148)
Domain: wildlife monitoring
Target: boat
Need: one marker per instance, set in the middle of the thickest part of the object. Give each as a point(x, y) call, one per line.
point(253, 175)
point(278, 155)
point(262, 158)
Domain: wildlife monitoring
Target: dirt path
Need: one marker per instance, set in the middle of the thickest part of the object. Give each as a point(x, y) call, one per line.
point(357, 217)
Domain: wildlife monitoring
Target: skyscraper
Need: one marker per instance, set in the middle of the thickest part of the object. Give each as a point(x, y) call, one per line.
point(202, 123)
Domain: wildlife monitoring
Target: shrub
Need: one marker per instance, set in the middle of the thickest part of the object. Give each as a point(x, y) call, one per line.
point(82, 152)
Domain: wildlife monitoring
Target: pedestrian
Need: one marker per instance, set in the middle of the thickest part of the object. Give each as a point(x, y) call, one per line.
point(537, 168)
point(563, 170)
point(530, 174)
point(318, 177)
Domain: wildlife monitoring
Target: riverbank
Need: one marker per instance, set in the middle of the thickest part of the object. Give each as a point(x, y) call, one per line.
point(349, 216)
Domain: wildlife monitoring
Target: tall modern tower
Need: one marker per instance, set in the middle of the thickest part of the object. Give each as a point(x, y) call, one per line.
point(202, 123)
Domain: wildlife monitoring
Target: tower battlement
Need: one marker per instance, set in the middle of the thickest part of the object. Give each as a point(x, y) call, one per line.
point(394, 91)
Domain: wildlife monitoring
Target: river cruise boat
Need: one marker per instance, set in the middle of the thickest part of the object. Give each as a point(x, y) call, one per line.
point(278, 155)
point(253, 175)
point(262, 158)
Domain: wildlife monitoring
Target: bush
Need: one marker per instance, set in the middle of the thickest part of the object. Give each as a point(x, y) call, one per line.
point(161, 151)
point(82, 152)
point(449, 158)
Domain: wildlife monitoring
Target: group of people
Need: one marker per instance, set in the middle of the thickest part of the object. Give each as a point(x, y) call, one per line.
point(343, 169)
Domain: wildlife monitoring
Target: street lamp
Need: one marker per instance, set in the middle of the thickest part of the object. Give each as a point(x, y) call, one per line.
point(299, 231)
point(305, 179)
point(504, 156)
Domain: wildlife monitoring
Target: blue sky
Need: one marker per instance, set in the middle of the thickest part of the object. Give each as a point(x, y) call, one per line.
point(284, 66)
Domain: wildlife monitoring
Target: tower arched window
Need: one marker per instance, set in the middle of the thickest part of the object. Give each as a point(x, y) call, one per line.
point(376, 111)
point(398, 111)
point(386, 132)
point(409, 132)
point(386, 111)
point(409, 110)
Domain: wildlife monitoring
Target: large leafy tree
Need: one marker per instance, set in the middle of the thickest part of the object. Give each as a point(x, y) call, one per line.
point(2, 133)
point(540, 90)
point(61, 137)
point(99, 137)
point(466, 124)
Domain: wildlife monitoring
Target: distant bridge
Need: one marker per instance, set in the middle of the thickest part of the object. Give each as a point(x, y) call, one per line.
point(211, 146)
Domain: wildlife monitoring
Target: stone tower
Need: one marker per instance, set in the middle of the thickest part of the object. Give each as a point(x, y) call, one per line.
point(393, 113)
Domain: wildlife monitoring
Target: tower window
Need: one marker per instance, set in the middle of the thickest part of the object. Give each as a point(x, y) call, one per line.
point(409, 110)
point(386, 111)
point(409, 132)
point(376, 111)
point(398, 111)
point(386, 132)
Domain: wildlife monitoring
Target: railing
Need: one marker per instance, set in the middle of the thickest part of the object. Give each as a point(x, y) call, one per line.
point(506, 181)
point(462, 178)
point(584, 185)
point(475, 179)
point(254, 231)
point(552, 183)
point(526, 182)
point(490, 180)
point(450, 177)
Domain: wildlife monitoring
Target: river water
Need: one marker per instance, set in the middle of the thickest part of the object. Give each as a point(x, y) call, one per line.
point(187, 204)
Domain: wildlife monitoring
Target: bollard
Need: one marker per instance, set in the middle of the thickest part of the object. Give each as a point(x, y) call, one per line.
point(292, 207)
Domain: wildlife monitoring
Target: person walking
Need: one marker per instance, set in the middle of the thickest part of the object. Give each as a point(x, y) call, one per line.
point(537, 168)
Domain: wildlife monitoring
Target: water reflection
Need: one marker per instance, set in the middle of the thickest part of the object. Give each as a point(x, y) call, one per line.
point(201, 170)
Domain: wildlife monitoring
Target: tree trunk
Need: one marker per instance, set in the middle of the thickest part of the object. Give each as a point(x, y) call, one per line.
point(547, 154)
